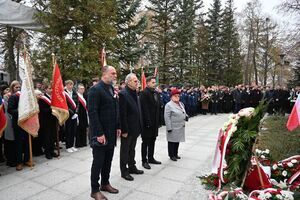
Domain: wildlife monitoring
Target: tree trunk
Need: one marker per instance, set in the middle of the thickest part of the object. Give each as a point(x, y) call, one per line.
point(11, 64)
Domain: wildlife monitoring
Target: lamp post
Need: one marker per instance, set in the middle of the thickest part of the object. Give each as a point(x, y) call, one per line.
point(281, 68)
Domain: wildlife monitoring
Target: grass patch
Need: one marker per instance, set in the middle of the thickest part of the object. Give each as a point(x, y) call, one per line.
point(281, 143)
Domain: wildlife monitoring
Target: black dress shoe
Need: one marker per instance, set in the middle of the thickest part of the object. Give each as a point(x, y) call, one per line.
point(127, 177)
point(48, 156)
point(146, 165)
point(173, 158)
point(177, 157)
point(154, 162)
point(135, 171)
point(54, 154)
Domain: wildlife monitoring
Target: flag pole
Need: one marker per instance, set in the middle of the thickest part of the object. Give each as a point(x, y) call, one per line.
point(56, 122)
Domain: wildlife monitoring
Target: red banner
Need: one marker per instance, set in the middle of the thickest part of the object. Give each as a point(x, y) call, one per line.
point(58, 99)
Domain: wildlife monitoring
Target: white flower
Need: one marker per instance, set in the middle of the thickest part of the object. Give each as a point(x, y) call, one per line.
point(294, 161)
point(258, 151)
point(287, 195)
point(233, 128)
point(268, 195)
point(267, 151)
point(284, 173)
point(290, 164)
point(225, 172)
point(278, 196)
point(274, 167)
point(263, 157)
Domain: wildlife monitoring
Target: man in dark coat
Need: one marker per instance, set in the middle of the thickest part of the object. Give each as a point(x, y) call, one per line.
point(237, 98)
point(81, 131)
point(131, 126)
point(48, 123)
point(150, 102)
point(104, 121)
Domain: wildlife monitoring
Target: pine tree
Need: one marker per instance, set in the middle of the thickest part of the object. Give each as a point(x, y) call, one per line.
point(130, 28)
point(184, 60)
point(162, 35)
point(201, 49)
point(230, 47)
point(75, 32)
point(215, 65)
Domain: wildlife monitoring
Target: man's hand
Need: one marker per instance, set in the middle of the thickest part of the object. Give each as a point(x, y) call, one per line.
point(101, 139)
point(118, 132)
point(124, 135)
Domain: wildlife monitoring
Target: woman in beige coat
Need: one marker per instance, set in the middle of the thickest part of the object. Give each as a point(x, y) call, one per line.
point(175, 117)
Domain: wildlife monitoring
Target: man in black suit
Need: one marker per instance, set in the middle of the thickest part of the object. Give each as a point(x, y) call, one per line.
point(48, 123)
point(150, 103)
point(105, 127)
point(131, 126)
point(81, 133)
point(72, 121)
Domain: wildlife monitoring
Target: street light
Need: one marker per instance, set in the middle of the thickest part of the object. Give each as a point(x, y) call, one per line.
point(281, 67)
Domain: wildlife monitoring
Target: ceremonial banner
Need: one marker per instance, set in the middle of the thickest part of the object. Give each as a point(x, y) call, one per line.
point(58, 99)
point(2, 118)
point(103, 57)
point(28, 107)
point(294, 118)
point(143, 81)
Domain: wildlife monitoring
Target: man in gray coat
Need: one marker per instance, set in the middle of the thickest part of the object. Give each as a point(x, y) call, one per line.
point(175, 117)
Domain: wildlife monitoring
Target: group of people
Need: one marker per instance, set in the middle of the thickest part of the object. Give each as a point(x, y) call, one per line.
point(107, 111)
point(102, 114)
point(222, 99)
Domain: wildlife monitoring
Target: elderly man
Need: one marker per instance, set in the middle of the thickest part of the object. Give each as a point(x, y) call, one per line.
point(131, 126)
point(105, 127)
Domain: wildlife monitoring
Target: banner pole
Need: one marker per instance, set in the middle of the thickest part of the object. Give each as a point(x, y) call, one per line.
point(57, 125)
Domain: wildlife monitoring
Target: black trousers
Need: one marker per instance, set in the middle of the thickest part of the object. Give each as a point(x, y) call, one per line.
point(81, 135)
point(22, 145)
point(1, 149)
point(70, 125)
point(48, 136)
point(37, 146)
point(148, 145)
point(127, 154)
point(173, 149)
point(10, 152)
point(102, 158)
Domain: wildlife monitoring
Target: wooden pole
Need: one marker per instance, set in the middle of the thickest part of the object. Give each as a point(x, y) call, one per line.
point(30, 152)
point(57, 125)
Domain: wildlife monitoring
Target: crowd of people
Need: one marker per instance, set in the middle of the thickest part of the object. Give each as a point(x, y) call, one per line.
point(106, 111)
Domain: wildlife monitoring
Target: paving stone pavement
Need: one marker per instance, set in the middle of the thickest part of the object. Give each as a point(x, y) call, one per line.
point(69, 176)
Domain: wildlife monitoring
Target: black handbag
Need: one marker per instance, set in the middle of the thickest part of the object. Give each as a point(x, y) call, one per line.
point(95, 143)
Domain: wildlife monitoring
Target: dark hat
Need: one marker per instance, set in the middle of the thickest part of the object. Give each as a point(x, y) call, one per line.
point(175, 91)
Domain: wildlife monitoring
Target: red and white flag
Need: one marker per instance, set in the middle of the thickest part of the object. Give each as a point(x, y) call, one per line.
point(28, 106)
point(103, 57)
point(144, 84)
point(294, 118)
point(3, 120)
point(58, 99)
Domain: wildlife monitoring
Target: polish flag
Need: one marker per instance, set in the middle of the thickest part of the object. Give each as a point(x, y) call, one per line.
point(294, 118)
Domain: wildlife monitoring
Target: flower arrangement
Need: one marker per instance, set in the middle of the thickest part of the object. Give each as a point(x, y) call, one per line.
point(271, 194)
point(286, 173)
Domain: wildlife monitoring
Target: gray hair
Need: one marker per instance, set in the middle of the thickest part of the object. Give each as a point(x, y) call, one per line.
point(129, 77)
